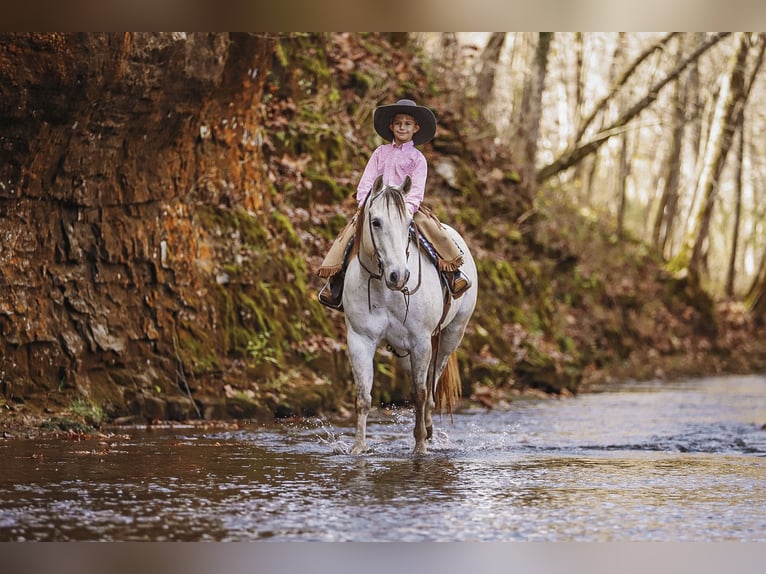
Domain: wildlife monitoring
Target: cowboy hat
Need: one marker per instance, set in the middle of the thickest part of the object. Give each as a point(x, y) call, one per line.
point(424, 116)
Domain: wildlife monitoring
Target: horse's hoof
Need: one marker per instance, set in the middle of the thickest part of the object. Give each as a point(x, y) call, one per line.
point(359, 449)
point(429, 432)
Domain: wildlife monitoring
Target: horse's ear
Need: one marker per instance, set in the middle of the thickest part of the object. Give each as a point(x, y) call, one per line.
point(378, 185)
point(407, 185)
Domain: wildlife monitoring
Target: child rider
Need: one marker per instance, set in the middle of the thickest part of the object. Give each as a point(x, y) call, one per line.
point(405, 125)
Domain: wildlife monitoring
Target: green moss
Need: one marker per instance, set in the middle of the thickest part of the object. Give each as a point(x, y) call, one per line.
point(93, 415)
point(362, 81)
point(391, 385)
point(327, 188)
point(251, 230)
point(254, 232)
point(285, 227)
point(232, 270)
point(500, 275)
point(261, 350)
point(514, 235)
point(225, 305)
point(239, 338)
point(262, 320)
point(267, 306)
point(471, 218)
point(67, 425)
point(586, 282)
point(281, 55)
point(467, 180)
point(196, 349)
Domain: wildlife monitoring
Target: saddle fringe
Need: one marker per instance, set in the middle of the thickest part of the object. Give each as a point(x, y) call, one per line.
point(450, 266)
point(329, 271)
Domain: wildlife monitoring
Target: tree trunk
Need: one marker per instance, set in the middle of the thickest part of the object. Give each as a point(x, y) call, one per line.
point(740, 127)
point(731, 101)
point(590, 178)
point(696, 103)
point(532, 112)
point(579, 80)
point(485, 81)
point(593, 167)
point(755, 300)
point(622, 202)
point(448, 67)
point(578, 102)
point(731, 272)
point(450, 49)
point(666, 210)
point(520, 50)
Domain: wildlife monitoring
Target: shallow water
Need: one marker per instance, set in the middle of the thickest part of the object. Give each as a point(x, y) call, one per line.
point(651, 461)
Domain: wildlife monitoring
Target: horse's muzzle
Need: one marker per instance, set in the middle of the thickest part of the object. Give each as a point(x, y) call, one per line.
point(396, 281)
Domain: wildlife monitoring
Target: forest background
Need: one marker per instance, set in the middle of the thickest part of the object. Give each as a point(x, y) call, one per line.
point(167, 198)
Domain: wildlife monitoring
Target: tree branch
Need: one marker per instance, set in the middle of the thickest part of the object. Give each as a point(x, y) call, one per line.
point(582, 149)
point(619, 82)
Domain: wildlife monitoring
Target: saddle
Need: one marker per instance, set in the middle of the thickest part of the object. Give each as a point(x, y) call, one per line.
point(441, 248)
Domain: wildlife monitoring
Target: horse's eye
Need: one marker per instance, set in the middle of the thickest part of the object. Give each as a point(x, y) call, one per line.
point(375, 223)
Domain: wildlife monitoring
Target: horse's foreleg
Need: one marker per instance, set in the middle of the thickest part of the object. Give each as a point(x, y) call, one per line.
point(420, 361)
point(430, 405)
point(361, 352)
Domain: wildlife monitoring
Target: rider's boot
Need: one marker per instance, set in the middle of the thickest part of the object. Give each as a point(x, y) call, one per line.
point(457, 283)
point(331, 294)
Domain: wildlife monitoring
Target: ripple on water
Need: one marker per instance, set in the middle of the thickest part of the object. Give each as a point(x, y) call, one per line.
point(642, 463)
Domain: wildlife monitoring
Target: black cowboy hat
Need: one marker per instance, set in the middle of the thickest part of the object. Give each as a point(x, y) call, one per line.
point(424, 116)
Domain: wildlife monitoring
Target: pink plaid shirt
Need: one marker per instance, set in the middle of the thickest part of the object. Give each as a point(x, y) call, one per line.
point(395, 162)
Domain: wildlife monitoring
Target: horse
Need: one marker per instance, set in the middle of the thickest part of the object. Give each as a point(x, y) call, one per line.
point(393, 293)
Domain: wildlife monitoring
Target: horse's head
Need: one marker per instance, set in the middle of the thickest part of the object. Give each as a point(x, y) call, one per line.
point(386, 231)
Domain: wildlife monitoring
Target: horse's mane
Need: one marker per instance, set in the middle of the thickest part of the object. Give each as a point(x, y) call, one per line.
point(395, 196)
point(391, 195)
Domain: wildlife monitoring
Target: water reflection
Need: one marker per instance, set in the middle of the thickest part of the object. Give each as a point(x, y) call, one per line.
point(686, 462)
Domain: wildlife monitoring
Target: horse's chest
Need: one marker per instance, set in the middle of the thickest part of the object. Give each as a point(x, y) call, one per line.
point(396, 332)
point(381, 324)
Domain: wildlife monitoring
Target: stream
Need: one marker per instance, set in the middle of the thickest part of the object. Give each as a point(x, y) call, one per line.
point(655, 461)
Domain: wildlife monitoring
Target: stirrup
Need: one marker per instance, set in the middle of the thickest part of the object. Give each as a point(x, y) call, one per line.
point(326, 298)
point(458, 285)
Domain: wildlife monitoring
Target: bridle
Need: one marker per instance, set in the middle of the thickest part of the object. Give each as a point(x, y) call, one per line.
point(406, 292)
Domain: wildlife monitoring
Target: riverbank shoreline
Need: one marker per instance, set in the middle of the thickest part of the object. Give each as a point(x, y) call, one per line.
point(23, 422)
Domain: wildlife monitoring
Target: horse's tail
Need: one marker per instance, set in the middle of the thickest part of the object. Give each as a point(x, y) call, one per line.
point(448, 389)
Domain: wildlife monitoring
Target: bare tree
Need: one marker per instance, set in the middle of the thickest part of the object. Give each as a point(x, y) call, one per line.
point(617, 57)
point(729, 107)
point(737, 213)
point(622, 185)
point(618, 81)
point(666, 210)
point(579, 59)
point(740, 126)
point(485, 81)
point(531, 111)
point(581, 149)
